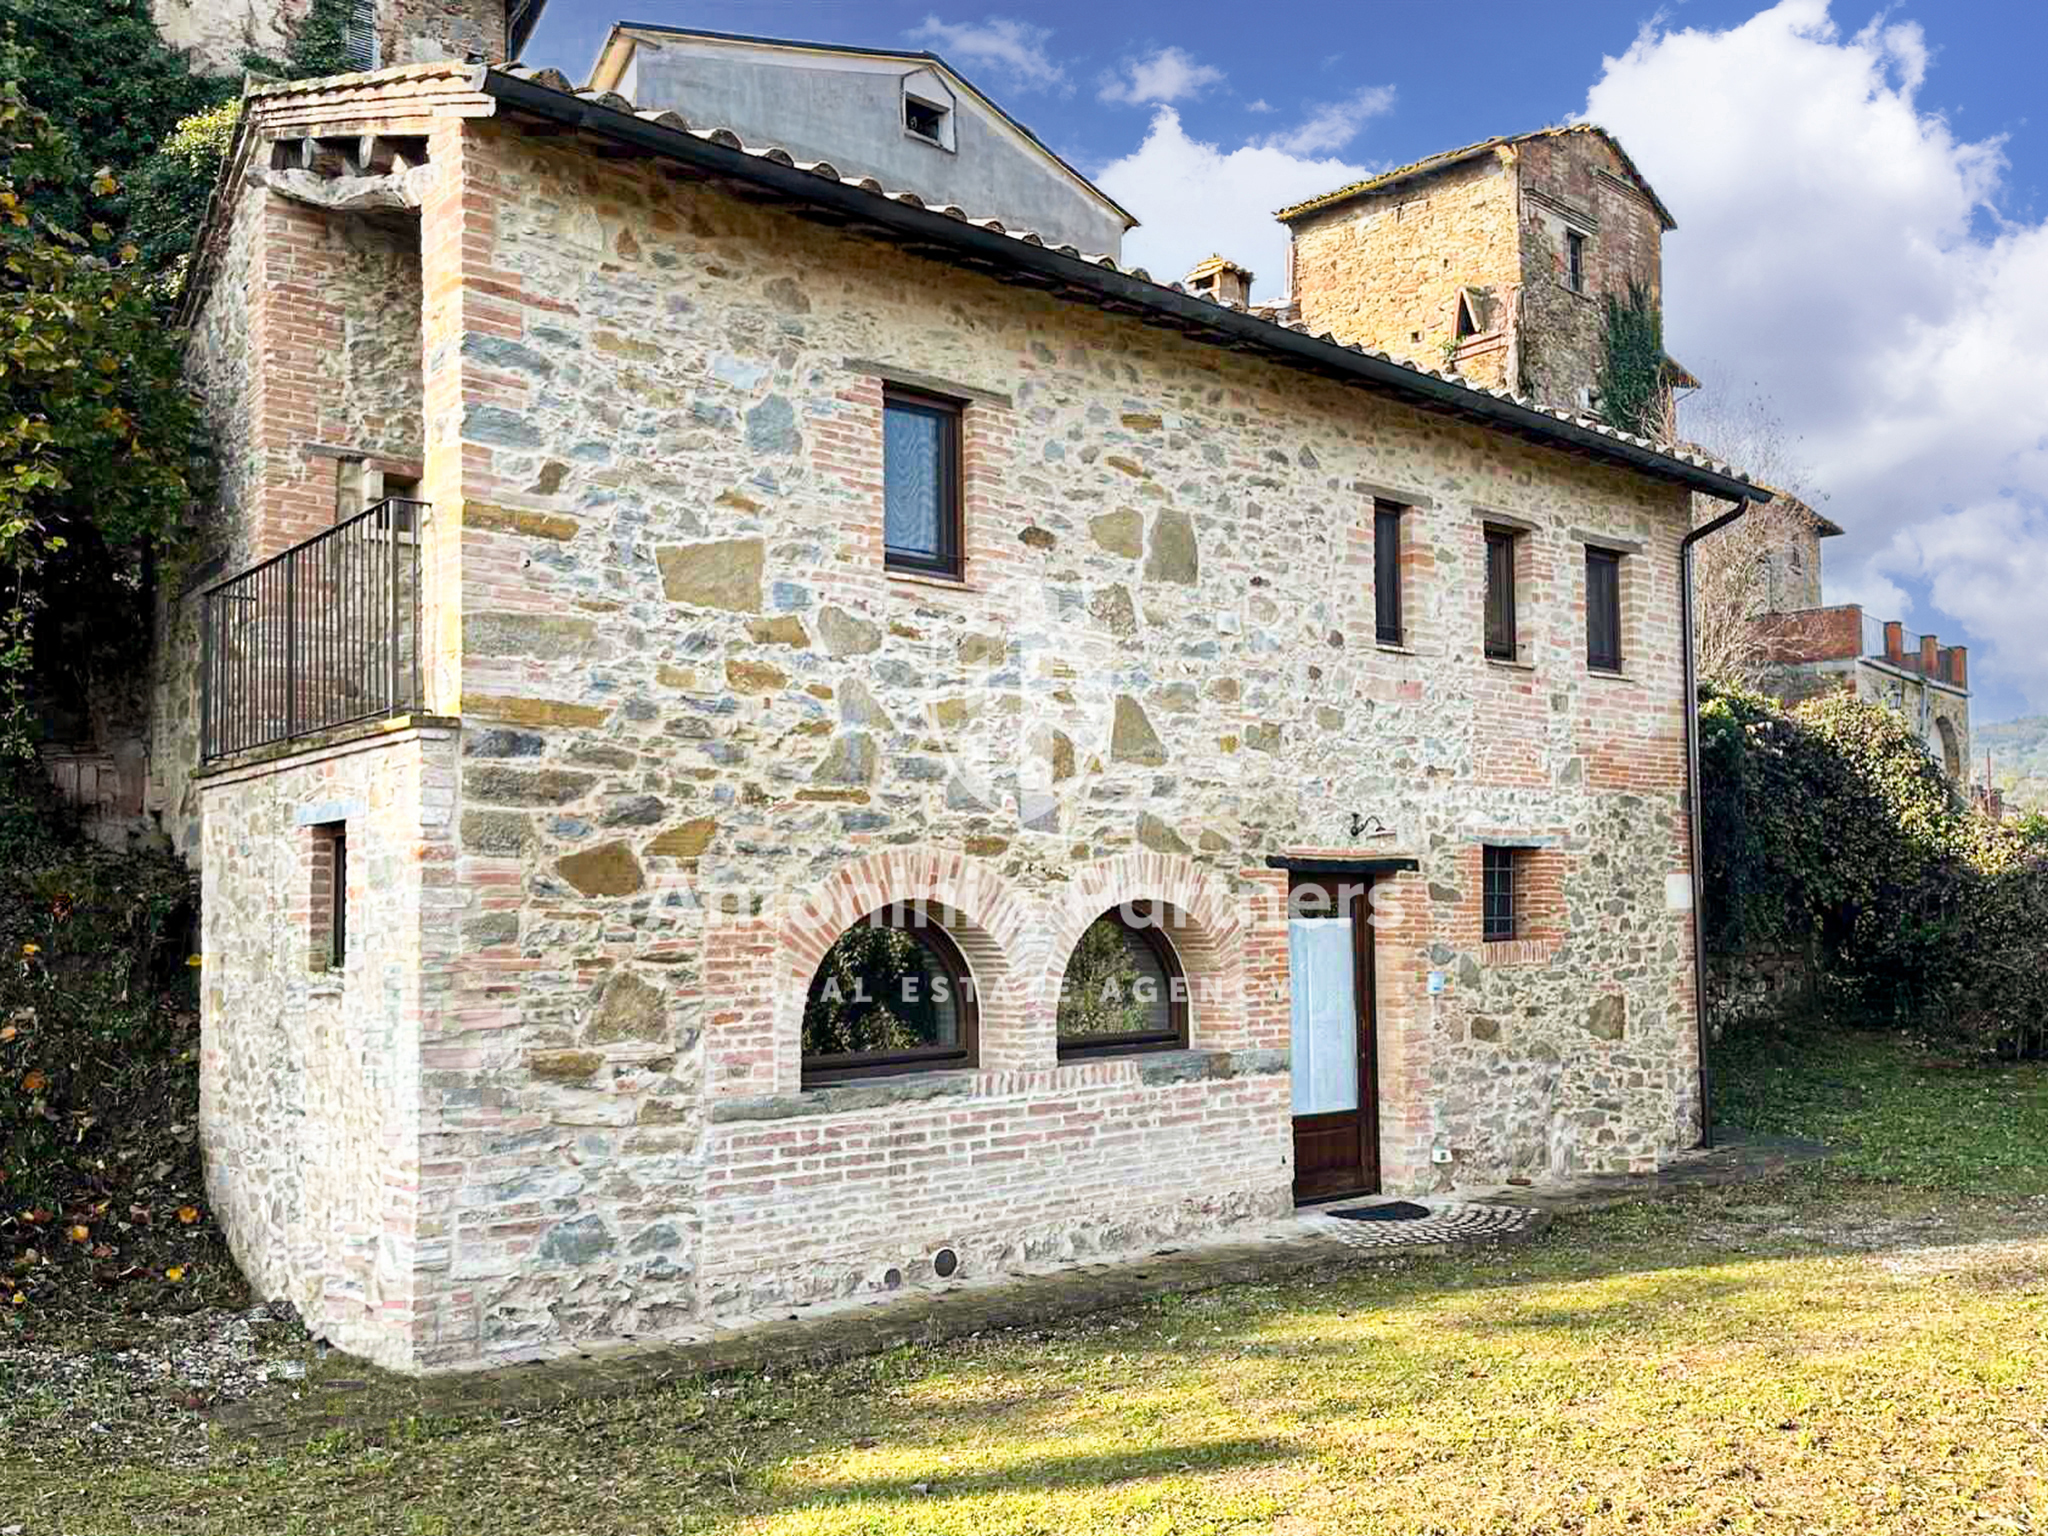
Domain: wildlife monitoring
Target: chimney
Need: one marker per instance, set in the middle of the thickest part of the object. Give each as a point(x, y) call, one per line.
point(1930, 656)
point(1218, 278)
point(1959, 665)
point(1895, 642)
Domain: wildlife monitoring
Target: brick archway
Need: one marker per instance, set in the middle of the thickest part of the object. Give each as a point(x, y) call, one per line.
point(1199, 917)
point(991, 922)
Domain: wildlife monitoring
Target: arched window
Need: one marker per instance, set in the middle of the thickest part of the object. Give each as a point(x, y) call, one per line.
point(893, 994)
point(1124, 989)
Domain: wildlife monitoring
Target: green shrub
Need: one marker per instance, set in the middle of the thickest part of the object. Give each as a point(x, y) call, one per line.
point(97, 1001)
point(1830, 829)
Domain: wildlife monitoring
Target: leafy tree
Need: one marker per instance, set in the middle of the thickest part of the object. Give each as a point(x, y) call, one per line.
point(107, 80)
point(96, 427)
point(173, 185)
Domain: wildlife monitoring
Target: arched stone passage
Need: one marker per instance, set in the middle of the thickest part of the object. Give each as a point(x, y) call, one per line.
point(1950, 747)
point(1193, 909)
point(990, 922)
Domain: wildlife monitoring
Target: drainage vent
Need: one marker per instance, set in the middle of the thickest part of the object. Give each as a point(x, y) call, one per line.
point(945, 1262)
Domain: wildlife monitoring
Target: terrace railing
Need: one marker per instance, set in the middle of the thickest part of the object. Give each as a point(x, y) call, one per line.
point(323, 635)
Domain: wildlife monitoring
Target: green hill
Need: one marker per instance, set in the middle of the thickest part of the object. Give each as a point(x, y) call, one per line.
point(2019, 758)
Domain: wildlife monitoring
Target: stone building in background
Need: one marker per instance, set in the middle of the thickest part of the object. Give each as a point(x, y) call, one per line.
point(757, 742)
point(1496, 259)
point(218, 36)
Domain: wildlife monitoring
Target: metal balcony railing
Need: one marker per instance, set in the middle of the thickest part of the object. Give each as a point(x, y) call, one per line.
point(323, 635)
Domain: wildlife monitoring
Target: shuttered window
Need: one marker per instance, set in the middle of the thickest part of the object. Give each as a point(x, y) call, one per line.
point(1603, 610)
point(1386, 570)
point(1500, 594)
point(359, 34)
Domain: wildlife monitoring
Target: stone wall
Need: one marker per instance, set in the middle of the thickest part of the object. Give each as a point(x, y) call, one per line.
point(217, 35)
point(1388, 270)
point(309, 1073)
point(1577, 181)
point(693, 700)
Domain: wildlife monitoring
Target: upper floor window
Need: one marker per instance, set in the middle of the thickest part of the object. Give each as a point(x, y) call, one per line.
point(1386, 571)
point(1502, 643)
point(359, 34)
point(921, 516)
point(1575, 261)
point(1603, 610)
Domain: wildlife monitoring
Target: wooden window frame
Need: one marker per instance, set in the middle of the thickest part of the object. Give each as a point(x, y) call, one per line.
point(1597, 659)
point(1172, 1038)
point(1389, 615)
point(945, 952)
point(327, 935)
point(1499, 919)
point(950, 562)
point(1575, 260)
point(1499, 644)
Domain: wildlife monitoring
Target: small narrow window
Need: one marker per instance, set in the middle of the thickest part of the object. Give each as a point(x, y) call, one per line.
point(328, 940)
point(1123, 989)
point(893, 994)
point(1501, 641)
point(924, 119)
point(1603, 610)
point(1497, 920)
point(359, 34)
point(1575, 260)
point(921, 518)
point(1386, 571)
point(1467, 326)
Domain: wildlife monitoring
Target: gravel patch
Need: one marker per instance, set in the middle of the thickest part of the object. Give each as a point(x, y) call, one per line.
point(143, 1389)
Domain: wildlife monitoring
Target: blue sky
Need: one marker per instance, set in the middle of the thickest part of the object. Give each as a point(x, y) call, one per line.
point(1862, 250)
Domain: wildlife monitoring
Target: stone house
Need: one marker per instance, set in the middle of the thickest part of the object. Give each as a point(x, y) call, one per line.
point(1496, 259)
point(218, 35)
point(708, 649)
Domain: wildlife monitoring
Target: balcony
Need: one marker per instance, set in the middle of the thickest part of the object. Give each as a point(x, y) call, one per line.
point(1846, 633)
point(323, 635)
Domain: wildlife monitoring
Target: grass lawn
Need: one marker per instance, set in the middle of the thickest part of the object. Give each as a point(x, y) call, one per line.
point(1826, 1353)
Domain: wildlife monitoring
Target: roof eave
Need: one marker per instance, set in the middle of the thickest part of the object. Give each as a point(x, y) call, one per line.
point(922, 230)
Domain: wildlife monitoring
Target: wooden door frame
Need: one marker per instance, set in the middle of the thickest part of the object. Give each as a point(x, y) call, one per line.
point(1365, 1015)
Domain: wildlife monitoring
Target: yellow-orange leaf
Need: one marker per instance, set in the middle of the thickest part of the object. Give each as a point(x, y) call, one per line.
point(188, 1214)
point(34, 1082)
point(175, 1272)
point(80, 1234)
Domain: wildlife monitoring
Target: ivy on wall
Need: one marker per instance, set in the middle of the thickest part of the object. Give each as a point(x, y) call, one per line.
point(1632, 368)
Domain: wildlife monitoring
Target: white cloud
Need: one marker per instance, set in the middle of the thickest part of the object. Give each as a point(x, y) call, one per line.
point(1012, 51)
point(1261, 105)
point(1166, 75)
point(1194, 198)
point(1840, 243)
point(1333, 124)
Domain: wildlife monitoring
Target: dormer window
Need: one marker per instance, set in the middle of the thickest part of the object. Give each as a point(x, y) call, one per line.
point(928, 108)
point(924, 119)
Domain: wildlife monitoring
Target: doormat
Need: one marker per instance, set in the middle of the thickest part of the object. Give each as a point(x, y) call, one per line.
point(1393, 1210)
